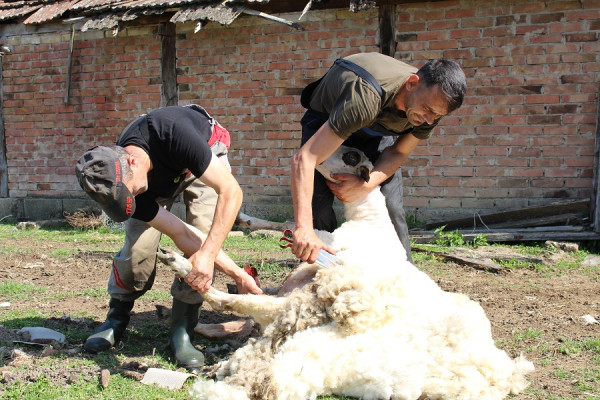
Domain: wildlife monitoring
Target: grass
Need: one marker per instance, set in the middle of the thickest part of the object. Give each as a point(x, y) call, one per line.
point(16, 290)
point(151, 337)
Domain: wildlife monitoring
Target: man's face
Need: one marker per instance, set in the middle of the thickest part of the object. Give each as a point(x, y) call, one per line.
point(139, 181)
point(425, 105)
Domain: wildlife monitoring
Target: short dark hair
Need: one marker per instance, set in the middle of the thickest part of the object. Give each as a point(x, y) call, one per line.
point(450, 78)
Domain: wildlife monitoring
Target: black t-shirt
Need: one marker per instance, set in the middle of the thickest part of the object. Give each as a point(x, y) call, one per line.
point(177, 142)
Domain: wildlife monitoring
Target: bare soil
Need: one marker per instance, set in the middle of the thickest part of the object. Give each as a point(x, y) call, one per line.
point(531, 311)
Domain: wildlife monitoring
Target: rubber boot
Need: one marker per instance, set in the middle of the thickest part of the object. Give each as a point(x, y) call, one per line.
point(184, 318)
point(111, 331)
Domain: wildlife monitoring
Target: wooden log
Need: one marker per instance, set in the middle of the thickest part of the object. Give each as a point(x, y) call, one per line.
point(3, 158)
point(168, 64)
point(595, 203)
point(483, 263)
point(387, 29)
point(248, 222)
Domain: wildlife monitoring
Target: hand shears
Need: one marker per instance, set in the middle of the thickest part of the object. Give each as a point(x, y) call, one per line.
point(324, 259)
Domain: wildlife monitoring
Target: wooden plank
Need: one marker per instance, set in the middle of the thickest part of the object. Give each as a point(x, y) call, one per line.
point(3, 159)
point(387, 30)
point(168, 64)
point(515, 236)
point(555, 208)
point(564, 219)
point(478, 231)
point(595, 203)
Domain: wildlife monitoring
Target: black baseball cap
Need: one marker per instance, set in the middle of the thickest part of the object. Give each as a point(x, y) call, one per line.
point(100, 175)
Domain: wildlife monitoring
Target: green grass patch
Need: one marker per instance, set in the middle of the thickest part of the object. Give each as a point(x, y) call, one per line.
point(102, 235)
point(96, 293)
point(571, 347)
point(16, 319)
point(257, 244)
point(119, 388)
point(271, 271)
point(154, 295)
point(528, 334)
point(14, 290)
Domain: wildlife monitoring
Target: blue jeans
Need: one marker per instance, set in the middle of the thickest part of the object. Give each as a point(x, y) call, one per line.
point(322, 202)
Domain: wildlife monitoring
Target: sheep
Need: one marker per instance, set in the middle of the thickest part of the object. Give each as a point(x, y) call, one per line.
point(373, 327)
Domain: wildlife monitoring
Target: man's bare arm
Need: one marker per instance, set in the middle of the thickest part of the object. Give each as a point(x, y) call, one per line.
point(321, 145)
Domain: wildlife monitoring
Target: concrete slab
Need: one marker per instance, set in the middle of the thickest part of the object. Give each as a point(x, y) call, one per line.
point(42, 209)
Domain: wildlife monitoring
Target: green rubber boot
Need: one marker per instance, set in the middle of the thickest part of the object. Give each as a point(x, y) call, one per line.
point(111, 331)
point(184, 318)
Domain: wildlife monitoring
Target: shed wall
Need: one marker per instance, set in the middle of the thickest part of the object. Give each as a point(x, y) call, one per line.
point(524, 136)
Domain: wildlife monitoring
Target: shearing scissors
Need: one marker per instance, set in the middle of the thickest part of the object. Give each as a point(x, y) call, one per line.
point(324, 259)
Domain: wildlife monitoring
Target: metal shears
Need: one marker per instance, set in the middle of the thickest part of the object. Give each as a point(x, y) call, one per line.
point(324, 259)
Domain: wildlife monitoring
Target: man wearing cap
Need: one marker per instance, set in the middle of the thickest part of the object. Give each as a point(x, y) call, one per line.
point(166, 152)
point(381, 106)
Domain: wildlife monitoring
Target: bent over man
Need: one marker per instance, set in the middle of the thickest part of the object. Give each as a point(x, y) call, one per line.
point(166, 152)
point(381, 106)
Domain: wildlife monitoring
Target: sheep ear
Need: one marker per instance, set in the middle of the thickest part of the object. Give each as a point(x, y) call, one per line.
point(365, 173)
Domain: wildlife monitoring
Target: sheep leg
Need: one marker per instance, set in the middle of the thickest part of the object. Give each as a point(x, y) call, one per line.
point(260, 307)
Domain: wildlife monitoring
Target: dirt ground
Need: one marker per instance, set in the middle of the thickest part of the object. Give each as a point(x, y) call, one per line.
point(532, 312)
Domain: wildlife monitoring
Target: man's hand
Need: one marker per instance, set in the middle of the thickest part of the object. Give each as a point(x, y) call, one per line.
point(246, 284)
point(201, 276)
point(306, 245)
point(350, 188)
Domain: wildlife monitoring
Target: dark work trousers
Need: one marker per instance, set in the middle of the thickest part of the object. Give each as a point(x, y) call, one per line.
point(322, 202)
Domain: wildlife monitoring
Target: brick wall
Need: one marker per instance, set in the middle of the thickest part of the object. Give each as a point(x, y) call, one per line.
point(526, 132)
point(525, 135)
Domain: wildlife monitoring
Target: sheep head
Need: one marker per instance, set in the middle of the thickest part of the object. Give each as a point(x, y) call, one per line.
point(346, 160)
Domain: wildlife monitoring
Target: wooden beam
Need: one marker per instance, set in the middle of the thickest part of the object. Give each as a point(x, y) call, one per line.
point(556, 208)
point(3, 160)
point(595, 203)
point(522, 235)
point(387, 29)
point(168, 64)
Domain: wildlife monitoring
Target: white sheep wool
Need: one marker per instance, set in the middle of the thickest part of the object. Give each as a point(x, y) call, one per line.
point(375, 327)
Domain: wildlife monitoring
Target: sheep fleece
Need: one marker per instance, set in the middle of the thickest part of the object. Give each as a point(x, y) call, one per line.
point(384, 332)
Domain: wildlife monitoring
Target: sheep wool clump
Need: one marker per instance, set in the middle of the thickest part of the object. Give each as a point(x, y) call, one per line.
point(374, 327)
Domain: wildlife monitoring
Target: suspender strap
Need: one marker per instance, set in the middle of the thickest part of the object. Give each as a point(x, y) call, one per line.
point(360, 71)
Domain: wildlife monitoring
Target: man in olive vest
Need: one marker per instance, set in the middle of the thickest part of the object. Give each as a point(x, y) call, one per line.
point(381, 106)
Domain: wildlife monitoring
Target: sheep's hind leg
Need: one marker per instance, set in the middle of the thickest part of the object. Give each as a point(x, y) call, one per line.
point(260, 307)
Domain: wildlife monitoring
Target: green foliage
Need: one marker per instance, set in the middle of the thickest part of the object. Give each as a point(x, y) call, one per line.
point(456, 239)
point(412, 222)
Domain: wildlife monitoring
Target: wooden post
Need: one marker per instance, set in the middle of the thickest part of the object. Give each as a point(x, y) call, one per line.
point(70, 65)
point(387, 29)
point(3, 160)
point(168, 64)
point(595, 206)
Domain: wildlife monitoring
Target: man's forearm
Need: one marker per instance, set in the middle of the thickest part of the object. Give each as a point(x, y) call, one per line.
point(302, 175)
point(228, 206)
point(222, 261)
point(393, 157)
